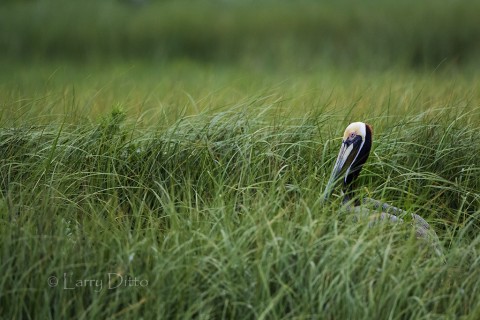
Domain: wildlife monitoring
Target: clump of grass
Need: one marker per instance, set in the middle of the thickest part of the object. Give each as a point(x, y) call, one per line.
point(220, 215)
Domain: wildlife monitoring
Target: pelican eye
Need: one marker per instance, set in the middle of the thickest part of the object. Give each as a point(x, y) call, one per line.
point(352, 135)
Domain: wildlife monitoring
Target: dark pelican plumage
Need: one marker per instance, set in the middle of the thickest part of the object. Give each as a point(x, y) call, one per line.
point(354, 152)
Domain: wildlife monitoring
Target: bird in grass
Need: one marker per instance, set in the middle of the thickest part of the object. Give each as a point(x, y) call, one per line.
point(354, 152)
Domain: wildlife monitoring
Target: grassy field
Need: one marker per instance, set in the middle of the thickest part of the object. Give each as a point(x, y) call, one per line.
point(186, 183)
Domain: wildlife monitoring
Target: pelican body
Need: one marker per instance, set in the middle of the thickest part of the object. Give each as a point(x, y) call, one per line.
point(354, 152)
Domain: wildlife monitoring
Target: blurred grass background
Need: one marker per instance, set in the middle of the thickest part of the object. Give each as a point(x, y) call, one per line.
point(151, 56)
point(73, 61)
point(369, 33)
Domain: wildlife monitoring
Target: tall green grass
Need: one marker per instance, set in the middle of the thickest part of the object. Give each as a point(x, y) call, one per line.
point(167, 160)
point(220, 214)
point(45, 93)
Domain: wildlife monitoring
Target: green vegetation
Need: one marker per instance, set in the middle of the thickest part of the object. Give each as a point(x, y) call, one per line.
point(373, 33)
point(171, 166)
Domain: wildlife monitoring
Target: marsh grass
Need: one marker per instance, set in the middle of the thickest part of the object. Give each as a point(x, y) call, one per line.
point(220, 213)
point(168, 160)
point(374, 33)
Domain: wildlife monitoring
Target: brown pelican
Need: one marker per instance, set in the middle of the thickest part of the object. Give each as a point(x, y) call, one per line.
point(354, 152)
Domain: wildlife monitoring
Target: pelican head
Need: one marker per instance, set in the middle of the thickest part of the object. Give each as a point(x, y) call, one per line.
point(356, 145)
